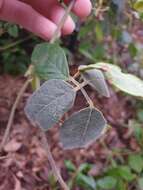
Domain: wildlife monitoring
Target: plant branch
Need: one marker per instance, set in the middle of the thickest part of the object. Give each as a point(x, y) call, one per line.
point(76, 75)
point(61, 23)
point(12, 113)
point(83, 84)
point(52, 161)
point(89, 101)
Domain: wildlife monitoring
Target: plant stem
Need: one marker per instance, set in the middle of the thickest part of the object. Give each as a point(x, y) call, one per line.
point(76, 75)
point(89, 101)
point(61, 23)
point(52, 162)
point(12, 113)
point(83, 84)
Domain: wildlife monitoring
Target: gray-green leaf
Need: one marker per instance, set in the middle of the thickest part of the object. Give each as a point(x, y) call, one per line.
point(123, 81)
point(48, 104)
point(50, 62)
point(82, 128)
point(95, 78)
point(136, 162)
point(107, 182)
point(140, 183)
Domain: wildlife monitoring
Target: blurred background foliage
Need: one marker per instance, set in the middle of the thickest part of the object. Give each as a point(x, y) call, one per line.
point(113, 33)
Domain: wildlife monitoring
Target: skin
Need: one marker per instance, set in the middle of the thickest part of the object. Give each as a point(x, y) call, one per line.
point(42, 16)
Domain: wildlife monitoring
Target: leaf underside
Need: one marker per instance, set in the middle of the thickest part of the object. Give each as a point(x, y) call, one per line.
point(95, 78)
point(125, 82)
point(48, 104)
point(82, 128)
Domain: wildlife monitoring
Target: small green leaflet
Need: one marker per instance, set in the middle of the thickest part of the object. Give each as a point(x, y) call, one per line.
point(48, 104)
point(125, 173)
point(85, 181)
point(123, 81)
point(136, 162)
point(107, 182)
point(82, 128)
point(95, 78)
point(50, 62)
point(13, 30)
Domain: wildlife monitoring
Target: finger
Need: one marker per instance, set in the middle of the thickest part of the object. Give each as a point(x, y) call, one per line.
point(54, 11)
point(82, 8)
point(56, 14)
point(23, 14)
point(1, 3)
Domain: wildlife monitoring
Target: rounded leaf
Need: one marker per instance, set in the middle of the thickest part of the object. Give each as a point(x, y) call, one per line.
point(50, 62)
point(82, 128)
point(48, 104)
point(95, 78)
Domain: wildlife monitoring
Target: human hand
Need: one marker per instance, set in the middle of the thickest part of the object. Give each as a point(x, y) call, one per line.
point(42, 16)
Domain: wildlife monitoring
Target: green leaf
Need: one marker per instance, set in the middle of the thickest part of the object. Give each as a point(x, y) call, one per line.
point(107, 182)
point(87, 182)
point(13, 31)
point(70, 166)
point(140, 183)
point(50, 62)
point(125, 173)
point(125, 82)
point(138, 130)
point(99, 32)
point(121, 172)
point(82, 128)
point(140, 115)
point(95, 78)
point(139, 5)
point(84, 168)
point(136, 162)
point(121, 185)
point(48, 104)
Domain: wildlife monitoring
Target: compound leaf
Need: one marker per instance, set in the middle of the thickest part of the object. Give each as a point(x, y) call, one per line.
point(50, 62)
point(95, 78)
point(48, 104)
point(82, 128)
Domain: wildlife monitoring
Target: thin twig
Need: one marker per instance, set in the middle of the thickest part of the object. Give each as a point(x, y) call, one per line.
point(12, 113)
point(83, 84)
point(89, 101)
point(61, 23)
point(52, 161)
point(76, 75)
